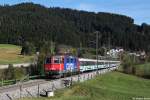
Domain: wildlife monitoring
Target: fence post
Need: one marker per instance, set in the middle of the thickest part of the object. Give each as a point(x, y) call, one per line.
point(78, 78)
point(15, 80)
point(71, 81)
point(38, 90)
point(52, 86)
point(2, 82)
point(20, 91)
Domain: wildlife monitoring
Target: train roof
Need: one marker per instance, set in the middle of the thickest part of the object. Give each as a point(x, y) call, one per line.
point(71, 56)
point(94, 60)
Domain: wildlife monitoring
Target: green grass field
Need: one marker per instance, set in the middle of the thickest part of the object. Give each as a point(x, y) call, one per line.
point(10, 54)
point(145, 65)
point(143, 70)
point(111, 86)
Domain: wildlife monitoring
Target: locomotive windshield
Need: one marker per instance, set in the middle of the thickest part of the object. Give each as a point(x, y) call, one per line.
point(71, 60)
point(58, 60)
point(48, 60)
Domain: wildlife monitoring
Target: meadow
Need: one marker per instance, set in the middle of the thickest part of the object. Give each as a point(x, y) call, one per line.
point(10, 54)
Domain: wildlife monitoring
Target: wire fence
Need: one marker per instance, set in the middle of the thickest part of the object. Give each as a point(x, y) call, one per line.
point(41, 89)
point(14, 81)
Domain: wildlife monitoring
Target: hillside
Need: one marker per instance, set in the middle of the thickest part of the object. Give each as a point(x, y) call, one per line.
point(28, 22)
point(10, 54)
point(111, 86)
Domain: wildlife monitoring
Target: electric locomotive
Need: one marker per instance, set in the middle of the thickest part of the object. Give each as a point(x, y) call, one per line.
point(59, 65)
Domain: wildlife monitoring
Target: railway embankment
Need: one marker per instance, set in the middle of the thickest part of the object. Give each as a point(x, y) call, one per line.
point(109, 86)
point(36, 88)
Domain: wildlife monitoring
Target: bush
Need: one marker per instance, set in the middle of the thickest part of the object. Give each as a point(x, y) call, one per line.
point(12, 73)
point(128, 63)
point(19, 73)
point(131, 65)
point(139, 72)
point(33, 70)
point(143, 70)
point(40, 63)
point(28, 49)
point(9, 73)
point(2, 76)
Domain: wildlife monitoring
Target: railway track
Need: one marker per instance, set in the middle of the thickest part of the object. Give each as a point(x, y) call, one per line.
point(35, 87)
point(23, 85)
point(39, 81)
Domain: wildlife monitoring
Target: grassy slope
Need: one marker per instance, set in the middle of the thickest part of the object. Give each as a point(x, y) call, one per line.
point(143, 69)
point(111, 86)
point(145, 66)
point(11, 54)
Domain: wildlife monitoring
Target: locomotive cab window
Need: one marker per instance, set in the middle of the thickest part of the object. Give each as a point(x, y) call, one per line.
point(56, 60)
point(48, 60)
point(81, 63)
point(71, 60)
point(68, 60)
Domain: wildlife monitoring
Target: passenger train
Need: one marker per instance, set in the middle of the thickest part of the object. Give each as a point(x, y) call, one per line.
point(63, 64)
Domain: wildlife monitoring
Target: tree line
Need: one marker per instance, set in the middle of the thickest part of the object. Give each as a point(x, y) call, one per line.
point(131, 64)
point(33, 24)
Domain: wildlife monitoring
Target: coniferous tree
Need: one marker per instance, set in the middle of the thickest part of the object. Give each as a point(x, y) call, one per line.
point(28, 49)
point(35, 24)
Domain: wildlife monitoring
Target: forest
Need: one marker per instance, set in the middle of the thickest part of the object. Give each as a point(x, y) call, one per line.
point(37, 25)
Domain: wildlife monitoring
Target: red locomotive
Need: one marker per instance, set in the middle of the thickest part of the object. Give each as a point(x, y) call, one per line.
point(60, 65)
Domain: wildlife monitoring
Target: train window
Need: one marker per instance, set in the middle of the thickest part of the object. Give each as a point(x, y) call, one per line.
point(48, 60)
point(71, 60)
point(86, 63)
point(57, 60)
point(100, 63)
point(89, 63)
point(81, 63)
point(62, 60)
point(68, 60)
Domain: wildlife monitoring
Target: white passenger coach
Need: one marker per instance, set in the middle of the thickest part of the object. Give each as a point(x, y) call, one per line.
point(91, 64)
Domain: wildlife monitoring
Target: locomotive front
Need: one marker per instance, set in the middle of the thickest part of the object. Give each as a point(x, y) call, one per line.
point(61, 65)
point(54, 65)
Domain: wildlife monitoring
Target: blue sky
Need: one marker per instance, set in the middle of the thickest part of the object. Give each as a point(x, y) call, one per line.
point(139, 10)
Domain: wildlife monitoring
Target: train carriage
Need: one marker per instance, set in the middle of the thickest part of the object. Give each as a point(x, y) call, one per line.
point(91, 64)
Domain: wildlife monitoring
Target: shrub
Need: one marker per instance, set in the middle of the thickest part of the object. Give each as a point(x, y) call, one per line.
point(143, 70)
point(40, 63)
point(129, 64)
point(2, 76)
point(28, 49)
point(33, 70)
point(9, 73)
point(19, 73)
